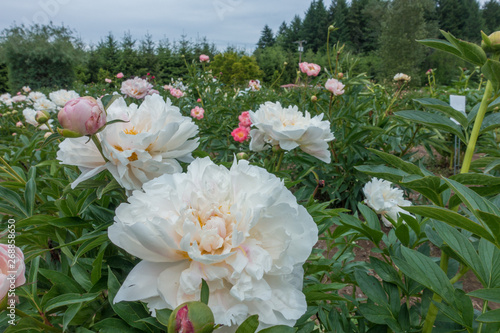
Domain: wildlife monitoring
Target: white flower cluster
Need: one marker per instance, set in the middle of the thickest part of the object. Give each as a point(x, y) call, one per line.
point(385, 200)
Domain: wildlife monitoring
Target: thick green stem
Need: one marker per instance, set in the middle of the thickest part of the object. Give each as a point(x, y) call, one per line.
point(278, 166)
point(99, 146)
point(485, 307)
point(471, 145)
point(433, 309)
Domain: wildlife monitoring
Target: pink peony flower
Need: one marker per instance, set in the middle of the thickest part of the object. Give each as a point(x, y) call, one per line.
point(19, 124)
point(176, 92)
point(335, 86)
point(244, 119)
point(136, 88)
point(167, 87)
point(153, 91)
point(198, 100)
point(108, 80)
point(12, 267)
point(204, 58)
point(309, 68)
point(197, 112)
point(119, 75)
point(240, 134)
point(81, 116)
point(18, 98)
point(254, 85)
point(303, 67)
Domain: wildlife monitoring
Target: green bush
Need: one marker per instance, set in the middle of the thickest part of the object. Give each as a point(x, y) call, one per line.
point(232, 68)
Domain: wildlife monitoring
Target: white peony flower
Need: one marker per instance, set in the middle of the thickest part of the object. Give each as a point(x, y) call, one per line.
point(30, 116)
point(36, 95)
point(18, 98)
point(149, 144)
point(136, 87)
point(384, 199)
point(5, 97)
point(61, 97)
point(402, 77)
point(44, 105)
point(289, 128)
point(241, 230)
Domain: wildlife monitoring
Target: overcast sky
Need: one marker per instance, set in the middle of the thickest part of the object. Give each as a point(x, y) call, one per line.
point(223, 22)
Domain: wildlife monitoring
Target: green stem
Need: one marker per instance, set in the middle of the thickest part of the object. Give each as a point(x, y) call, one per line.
point(99, 147)
point(471, 145)
point(460, 273)
point(12, 171)
point(394, 99)
point(485, 307)
point(328, 50)
point(430, 318)
point(278, 166)
point(279, 77)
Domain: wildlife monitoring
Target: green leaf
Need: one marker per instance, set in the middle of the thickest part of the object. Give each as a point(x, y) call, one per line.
point(490, 317)
point(108, 100)
point(442, 45)
point(488, 294)
point(89, 245)
point(30, 191)
point(452, 218)
point(70, 313)
point(491, 71)
point(386, 272)
point(403, 234)
point(249, 325)
point(95, 275)
point(62, 281)
point(445, 108)
point(371, 287)
point(425, 271)
point(205, 293)
point(461, 245)
point(374, 313)
point(428, 186)
point(471, 199)
point(113, 325)
point(398, 163)
point(69, 299)
point(279, 329)
point(14, 200)
point(490, 122)
point(163, 315)
point(490, 259)
point(469, 51)
point(313, 296)
point(493, 223)
point(493, 165)
point(476, 179)
point(432, 119)
point(382, 171)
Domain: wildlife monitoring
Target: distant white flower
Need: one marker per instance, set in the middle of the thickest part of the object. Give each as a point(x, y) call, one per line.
point(384, 199)
point(136, 88)
point(5, 97)
point(402, 77)
point(18, 98)
point(289, 128)
point(61, 97)
point(150, 143)
point(36, 95)
point(335, 86)
point(241, 230)
point(44, 105)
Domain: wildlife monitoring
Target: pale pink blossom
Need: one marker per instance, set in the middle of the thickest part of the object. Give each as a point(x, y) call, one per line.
point(198, 100)
point(11, 255)
point(176, 92)
point(334, 86)
point(309, 68)
point(153, 91)
point(254, 85)
point(26, 89)
point(167, 87)
point(240, 134)
point(108, 80)
point(119, 75)
point(19, 124)
point(244, 119)
point(204, 58)
point(18, 98)
point(197, 112)
point(136, 88)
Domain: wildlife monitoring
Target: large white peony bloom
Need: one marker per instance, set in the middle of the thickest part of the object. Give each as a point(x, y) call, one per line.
point(240, 229)
point(289, 128)
point(36, 95)
point(384, 199)
point(61, 97)
point(44, 105)
point(150, 143)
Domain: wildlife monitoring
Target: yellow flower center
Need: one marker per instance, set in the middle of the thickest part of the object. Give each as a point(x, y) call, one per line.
point(132, 131)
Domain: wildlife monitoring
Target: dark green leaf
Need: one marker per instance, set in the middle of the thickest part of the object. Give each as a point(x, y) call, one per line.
point(69, 299)
point(490, 317)
point(205, 293)
point(249, 325)
point(491, 71)
point(445, 108)
point(489, 294)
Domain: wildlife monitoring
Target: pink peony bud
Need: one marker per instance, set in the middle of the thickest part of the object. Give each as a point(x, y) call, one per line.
point(198, 100)
point(12, 268)
point(81, 116)
point(191, 317)
point(19, 124)
point(119, 75)
point(204, 58)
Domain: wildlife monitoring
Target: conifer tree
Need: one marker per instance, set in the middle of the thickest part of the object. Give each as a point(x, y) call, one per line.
point(266, 38)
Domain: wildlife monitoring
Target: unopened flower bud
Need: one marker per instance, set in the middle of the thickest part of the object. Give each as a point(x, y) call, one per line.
point(491, 43)
point(314, 99)
point(285, 64)
point(242, 156)
point(321, 183)
point(191, 317)
point(42, 116)
point(340, 75)
point(81, 116)
point(276, 149)
point(330, 28)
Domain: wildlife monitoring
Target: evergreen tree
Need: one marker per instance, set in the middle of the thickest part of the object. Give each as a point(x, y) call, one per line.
point(491, 16)
point(128, 55)
point(108, 54)
point(403, 25)
point(293, 34)
point(147, 55)
point(462, 18)
point(315, 25)
point(338, 15)
point(266, 38)
point(281, 35)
